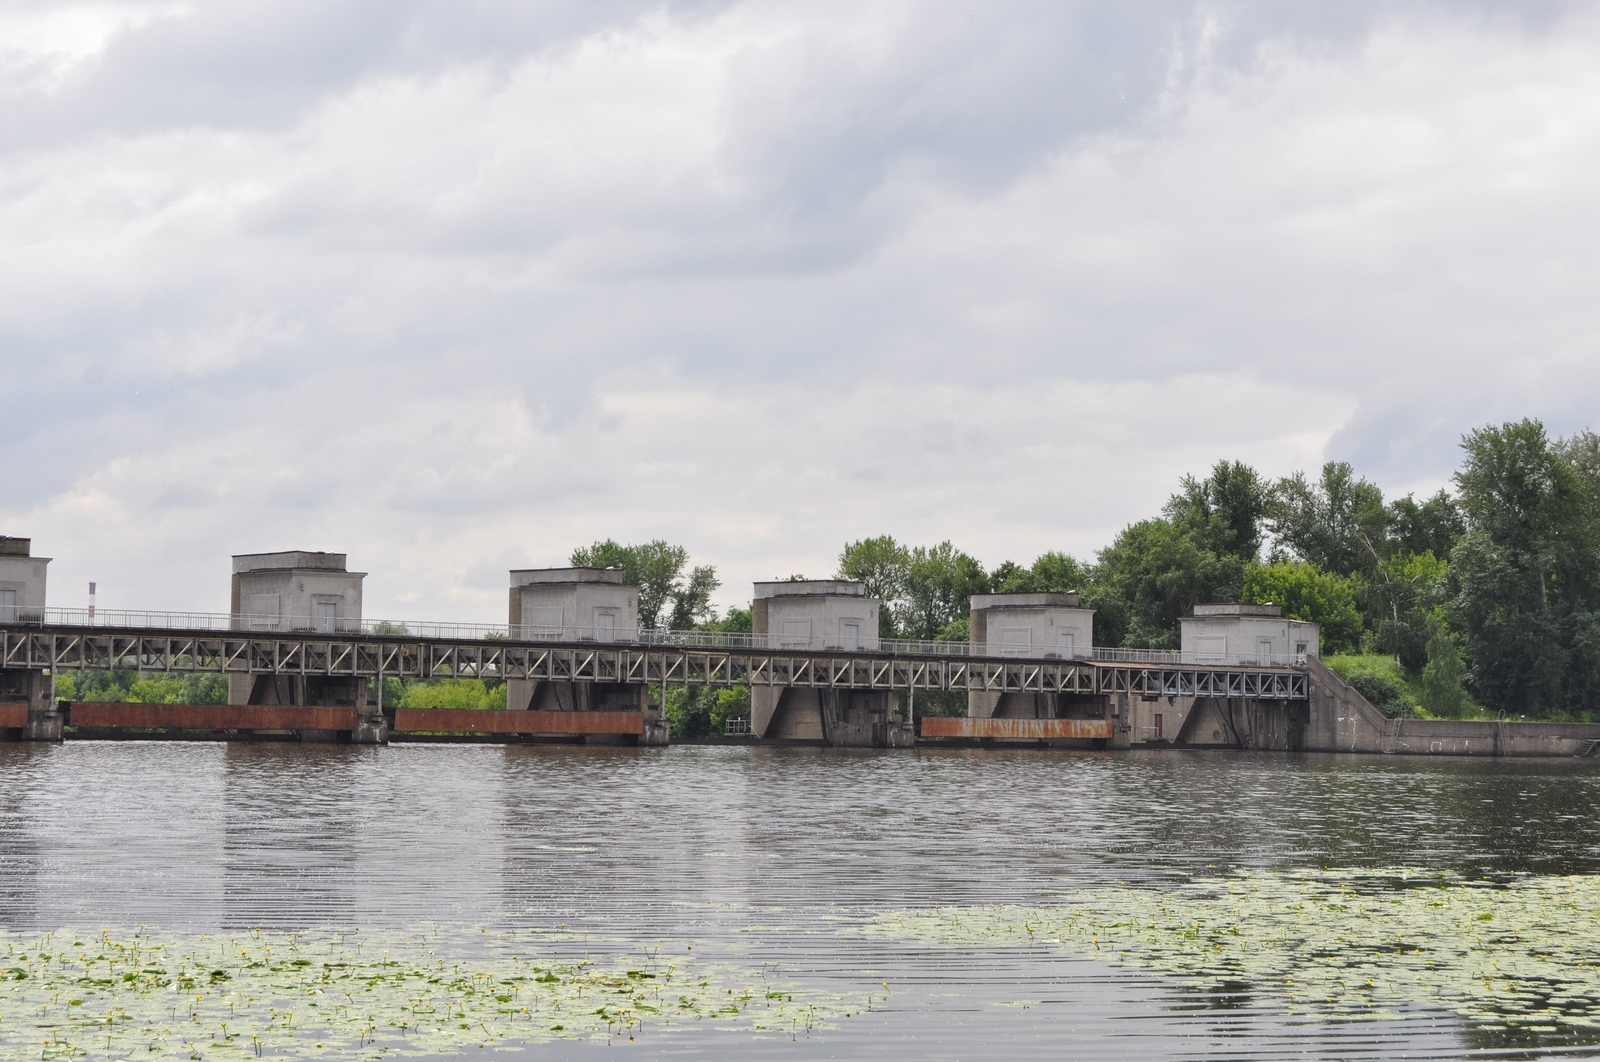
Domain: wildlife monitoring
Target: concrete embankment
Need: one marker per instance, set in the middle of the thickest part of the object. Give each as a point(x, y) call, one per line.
point(1336, 718)
point(1342, 720)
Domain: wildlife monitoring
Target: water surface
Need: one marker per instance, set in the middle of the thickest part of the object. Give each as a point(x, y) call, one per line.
point(781, 856)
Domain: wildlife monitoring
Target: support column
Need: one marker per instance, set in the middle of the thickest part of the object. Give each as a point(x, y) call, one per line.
point(44, 721)
point(1122, 722)
point(372, 726)
point(657, 731)
point(901, 730)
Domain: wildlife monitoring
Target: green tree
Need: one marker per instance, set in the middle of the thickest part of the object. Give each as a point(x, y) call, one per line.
point(138, 687)
point(688, 710)
point(1442, 687)
point(737, 621)
point(666, 592)
point(1527, 586)
point(450, 693)
point(1223, 512)
point(939, 583)
point(703, 711)
point(691, 598)
point(1151, 575)
point(924, 589)
point(1431, 526)
point(1339, 523)
point(1384, 693)
point(881, 564)
point(731, 702)
point(1399, 599)
point(1305, 593)
point(1050, 572)
point(1009, 577)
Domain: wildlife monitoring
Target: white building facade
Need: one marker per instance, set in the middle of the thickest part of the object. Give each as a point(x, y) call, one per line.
point(1035, 625)
point(815, 614)
point(578, 605)
point(1049, 625)
point(818, 615)
point(573, 604)
point(296, 590)
point(1245, 635)
point(22, 581)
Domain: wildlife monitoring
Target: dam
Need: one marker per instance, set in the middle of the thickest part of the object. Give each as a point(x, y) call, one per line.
point(303, 664)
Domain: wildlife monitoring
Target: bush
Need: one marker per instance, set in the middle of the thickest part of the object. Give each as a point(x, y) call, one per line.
point(1378, 679)
point(1442, 677)
point(142, 687)
point(448, 693)
point(1306, 593)
point(1384, 693)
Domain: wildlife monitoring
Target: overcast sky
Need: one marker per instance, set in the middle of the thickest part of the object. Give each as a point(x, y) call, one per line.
point(454, 287)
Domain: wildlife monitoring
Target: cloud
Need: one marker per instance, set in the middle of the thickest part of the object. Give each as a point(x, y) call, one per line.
point(773, 479)
point(456, 294)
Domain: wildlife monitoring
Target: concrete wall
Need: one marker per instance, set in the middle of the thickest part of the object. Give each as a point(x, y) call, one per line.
point(22, 581)
point(814, 614)
point(547, 600)
point(25, 687)
point(1003, 624)
point(323, 690)
point(786, 714)
point(586, 605)
point(1442, 737)
point(282, 591)
point(1341, 720)
point(540, 696)
point(1211, 722)
point(1235, 635)
point(1157, 721)
point(862, 718)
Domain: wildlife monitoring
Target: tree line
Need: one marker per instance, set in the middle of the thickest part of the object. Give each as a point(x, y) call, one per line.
point(1481, 598)
point(1484, 597)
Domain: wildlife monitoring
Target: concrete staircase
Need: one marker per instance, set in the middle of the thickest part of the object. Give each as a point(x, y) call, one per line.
point(1342, 720)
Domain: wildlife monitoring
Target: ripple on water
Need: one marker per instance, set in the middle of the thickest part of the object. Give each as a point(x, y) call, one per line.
point(783, 857)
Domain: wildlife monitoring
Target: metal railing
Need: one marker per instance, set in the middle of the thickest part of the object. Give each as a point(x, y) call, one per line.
point(1138, 656)
point(224, 621)
point(526, 632)
point(1176, 658)
point(802, 644)
point(478, 632)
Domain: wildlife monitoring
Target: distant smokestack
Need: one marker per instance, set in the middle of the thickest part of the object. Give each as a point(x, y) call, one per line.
point(91, 601)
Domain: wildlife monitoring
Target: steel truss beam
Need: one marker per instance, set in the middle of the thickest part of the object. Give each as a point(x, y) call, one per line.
point(241, 652)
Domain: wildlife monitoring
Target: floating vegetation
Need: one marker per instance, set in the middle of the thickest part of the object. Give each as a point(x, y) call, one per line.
point(1342, 945)
point(67, 995)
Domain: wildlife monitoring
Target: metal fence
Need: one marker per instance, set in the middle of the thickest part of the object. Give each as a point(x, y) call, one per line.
point(479, 632)
point(1175, 658)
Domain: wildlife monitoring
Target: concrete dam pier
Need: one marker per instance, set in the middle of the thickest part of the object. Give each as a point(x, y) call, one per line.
point(302, 664)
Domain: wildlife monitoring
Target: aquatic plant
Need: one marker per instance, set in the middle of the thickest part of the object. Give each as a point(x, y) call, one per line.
point(1521, 955)
point(69, 994)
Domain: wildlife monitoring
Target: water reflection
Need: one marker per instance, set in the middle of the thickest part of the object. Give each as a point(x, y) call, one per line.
point(21, 769)
point(771, 855)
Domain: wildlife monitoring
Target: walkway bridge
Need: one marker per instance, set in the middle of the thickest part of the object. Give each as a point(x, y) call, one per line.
point(165, 642)
point(71, 639)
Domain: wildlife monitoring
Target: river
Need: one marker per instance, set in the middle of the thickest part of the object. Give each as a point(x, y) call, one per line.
point(803, 872)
